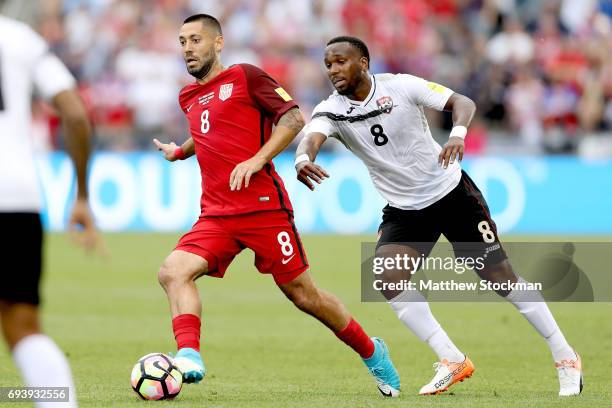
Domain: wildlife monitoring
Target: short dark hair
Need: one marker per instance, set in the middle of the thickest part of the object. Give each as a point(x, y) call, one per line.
point(355, 42)
point(206, 19)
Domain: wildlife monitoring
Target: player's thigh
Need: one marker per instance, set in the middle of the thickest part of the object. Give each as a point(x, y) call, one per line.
point(273, 237)
point(412, 232)
point(469, 227)
point(403, 237)
point(207, 249)
point(22, 266)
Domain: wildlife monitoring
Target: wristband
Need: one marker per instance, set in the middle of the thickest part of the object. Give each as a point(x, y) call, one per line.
point(301, 158)
point(458, 131)
point(179, 154)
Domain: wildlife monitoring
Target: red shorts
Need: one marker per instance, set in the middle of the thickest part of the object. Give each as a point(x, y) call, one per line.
point(270, 234)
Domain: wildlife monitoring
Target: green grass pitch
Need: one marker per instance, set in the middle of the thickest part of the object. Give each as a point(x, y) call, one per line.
point(261, 352)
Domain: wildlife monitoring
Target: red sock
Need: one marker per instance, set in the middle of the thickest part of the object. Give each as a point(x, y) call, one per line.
point(357, 339)
point(186, 329)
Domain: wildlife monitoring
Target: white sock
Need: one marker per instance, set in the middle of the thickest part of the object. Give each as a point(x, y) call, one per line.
point(532, 306)
point(43, 364)
point(413, 310)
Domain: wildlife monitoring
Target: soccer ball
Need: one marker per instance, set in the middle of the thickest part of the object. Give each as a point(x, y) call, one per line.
point(155, 377)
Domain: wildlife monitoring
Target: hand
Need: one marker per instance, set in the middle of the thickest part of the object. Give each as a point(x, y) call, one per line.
point(82, 229)
point(453, 148)
point(243, 172)
point(307, 170)
point(167, 149)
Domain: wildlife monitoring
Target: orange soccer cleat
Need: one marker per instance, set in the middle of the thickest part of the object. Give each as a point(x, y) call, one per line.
point(447, 374)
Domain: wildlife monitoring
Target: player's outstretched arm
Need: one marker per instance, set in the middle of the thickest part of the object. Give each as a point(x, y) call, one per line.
point(287, 128)
point(463, 109)
point(172, 152)
point(77, 131)
point(305, 155)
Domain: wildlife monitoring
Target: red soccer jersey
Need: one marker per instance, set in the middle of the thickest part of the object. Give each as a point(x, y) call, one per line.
point(230, 118)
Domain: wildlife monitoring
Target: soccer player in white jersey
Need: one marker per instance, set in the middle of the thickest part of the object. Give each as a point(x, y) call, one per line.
point(26, 63)
point(380, 118)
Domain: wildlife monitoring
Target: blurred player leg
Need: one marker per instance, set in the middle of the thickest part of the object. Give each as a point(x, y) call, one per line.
point(331, 312)
point(40, 361)
point(177, 276)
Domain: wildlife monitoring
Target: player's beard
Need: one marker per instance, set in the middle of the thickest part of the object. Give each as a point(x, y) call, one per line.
point(345, 91)
point(348, 90)
point(208, 62)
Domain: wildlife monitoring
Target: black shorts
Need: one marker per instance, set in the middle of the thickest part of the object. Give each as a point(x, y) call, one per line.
point(462, 216)
point(22, 252)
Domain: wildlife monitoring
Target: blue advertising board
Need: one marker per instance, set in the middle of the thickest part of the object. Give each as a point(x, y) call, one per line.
point(143, 192)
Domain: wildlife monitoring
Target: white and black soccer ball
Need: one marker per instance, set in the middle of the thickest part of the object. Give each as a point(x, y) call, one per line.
point(155, 377)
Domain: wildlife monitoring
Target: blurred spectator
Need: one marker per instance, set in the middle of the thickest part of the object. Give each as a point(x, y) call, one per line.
point(512, 45)
point(524, 99)
point(539, 70)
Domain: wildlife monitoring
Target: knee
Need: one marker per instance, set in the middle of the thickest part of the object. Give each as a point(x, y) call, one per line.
point(169, 274)
point(180, 269)
point(500, 272)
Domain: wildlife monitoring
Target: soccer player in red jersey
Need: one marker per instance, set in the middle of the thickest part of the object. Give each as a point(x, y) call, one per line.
point(244, 203)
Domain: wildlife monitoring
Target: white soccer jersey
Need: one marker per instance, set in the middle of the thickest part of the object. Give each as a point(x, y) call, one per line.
point(25, 62)
point(388, 131)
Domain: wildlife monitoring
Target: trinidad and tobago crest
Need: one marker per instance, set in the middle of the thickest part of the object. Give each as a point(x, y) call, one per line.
point(385, 104)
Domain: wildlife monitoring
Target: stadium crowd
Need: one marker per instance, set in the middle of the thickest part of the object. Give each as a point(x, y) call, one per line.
point(540, 71)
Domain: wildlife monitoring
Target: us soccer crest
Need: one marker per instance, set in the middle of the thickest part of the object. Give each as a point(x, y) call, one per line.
point(385, 104)
point(225, 91)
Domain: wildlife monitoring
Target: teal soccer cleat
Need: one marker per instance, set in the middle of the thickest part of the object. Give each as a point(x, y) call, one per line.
point(190, 363)
point(382, 369)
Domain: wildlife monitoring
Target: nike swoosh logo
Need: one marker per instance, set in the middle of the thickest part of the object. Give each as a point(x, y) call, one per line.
point(189, 107)
point(386, 394)
point(286, 261)
point(156, 365)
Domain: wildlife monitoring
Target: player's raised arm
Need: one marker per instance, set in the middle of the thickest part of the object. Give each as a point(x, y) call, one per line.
point(172, 152)
point(305, 155)
point(287, 128)
point(463, 109)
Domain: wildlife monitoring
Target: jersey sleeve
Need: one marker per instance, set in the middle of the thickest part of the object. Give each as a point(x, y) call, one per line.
point(267, 93)
point(320, 123)
point(50, 76)
point(426, 93)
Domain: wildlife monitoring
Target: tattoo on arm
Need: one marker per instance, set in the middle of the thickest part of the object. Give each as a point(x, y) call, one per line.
point(292, 119)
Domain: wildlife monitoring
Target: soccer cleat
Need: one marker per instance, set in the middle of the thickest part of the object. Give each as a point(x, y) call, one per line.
point(570, 376)
point(190, 363)
point(447, 374)
point(381, 367)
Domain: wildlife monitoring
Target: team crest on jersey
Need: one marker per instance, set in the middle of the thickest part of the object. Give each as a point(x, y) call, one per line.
point(225, 91)
point(385, 104)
